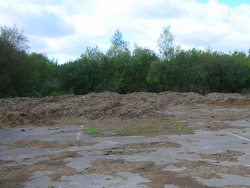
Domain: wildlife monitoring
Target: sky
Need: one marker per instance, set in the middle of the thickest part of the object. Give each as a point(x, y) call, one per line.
point(63, 29)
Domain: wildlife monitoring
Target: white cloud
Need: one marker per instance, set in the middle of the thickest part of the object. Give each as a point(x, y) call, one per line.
point(64, 28)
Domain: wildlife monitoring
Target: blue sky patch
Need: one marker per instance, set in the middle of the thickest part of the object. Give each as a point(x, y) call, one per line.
point(231, 3)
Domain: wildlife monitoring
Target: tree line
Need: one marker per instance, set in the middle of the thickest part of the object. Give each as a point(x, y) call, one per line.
point(120, 69)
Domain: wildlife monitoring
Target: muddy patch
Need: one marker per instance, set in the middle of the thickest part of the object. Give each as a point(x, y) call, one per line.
point(240, 123)
point(144, 145)
point(235, 186)
point(60, 156)
point(192, 111)
point(45, 144)
point(206, 170)
point(229, 155)
point(15, 176)
point(147, 147)
point(157, 176)
point(217, 125)
point(31, 143)
point(18, 175)
point(2, 162)
point(116, 151)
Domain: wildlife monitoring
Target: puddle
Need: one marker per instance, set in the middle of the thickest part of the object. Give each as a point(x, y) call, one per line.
point(191, 111)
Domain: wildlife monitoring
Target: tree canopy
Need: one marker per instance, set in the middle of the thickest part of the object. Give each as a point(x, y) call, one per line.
point(120, 69)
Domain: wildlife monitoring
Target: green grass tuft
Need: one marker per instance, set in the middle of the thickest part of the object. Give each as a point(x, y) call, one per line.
point(91, 117)
point(91, 130)
point(181, 127)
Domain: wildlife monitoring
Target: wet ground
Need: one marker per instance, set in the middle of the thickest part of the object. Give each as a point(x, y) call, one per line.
point(67, 157)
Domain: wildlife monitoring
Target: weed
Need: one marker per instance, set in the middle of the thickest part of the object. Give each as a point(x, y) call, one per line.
point(91, 130)
point(181, 127)
point(91, 117)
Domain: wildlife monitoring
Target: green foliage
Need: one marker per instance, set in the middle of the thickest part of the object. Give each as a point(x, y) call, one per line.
point(138, 68)
point(120, 69)
point(83, 75)
point(23, 74)
point(156, 76)
point(15, 71)
point(225, 74)
point(91, 117)
point(182, 127)
point(165, 43)
point(91, 130)
point(118, 45)
point(44, 74)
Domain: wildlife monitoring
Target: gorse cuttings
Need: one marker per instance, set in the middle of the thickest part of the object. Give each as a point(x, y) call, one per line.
point(119, 69)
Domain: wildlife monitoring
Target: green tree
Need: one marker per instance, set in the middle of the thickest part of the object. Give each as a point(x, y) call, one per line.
point(185, 72)
point(15, 72)
point(166, 44)
point(119, 69)
point(83, 75)
point(156, 77)
point(118, 45)
point(119, 57)
point(139, 67)
point(44, 73)
point(224, 74)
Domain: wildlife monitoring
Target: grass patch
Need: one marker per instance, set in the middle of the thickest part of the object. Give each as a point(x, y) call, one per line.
point(139, 129)
point(92, 117)
point(91, 130)
point(181, 127)
point(149, 128)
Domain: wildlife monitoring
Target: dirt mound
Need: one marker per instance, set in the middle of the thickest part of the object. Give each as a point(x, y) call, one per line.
point(49, 110)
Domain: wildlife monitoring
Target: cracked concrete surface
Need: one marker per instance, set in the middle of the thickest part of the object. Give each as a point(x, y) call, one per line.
point(54, 157)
